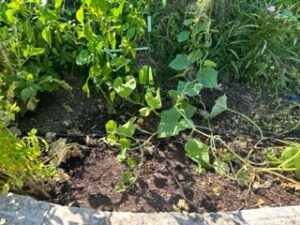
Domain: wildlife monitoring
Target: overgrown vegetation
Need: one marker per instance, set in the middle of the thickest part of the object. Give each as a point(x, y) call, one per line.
point(199, 43)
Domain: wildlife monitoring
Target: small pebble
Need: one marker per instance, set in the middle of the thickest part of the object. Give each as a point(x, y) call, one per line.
point(180, 177)
point(50, 136)
point(67, 123)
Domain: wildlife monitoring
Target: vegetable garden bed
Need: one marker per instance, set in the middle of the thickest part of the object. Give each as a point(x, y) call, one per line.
point(166, 181)
point(150, 106)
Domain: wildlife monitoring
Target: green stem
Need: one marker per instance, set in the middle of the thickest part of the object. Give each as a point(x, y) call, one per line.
point(134, 102)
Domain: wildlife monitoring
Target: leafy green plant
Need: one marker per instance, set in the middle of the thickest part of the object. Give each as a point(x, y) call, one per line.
point(167, 20)
point(258, 43)
point(125, 183)
point(7, 112)
point(121, 135)
point(195, 38)
point(21, 165)
point(288, 159)
point(108, 33)
point(27, 36)
point(199, 153)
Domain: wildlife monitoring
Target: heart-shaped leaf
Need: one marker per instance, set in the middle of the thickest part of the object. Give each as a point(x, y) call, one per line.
point(124, 89)
point(180, 62)
point(183, 36)
point(171, 123)
point(153, 99)
point(188, 88)
point(208, 77)
point(198, 152)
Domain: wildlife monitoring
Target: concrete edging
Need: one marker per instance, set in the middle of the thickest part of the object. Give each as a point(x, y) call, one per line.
point(23, 210)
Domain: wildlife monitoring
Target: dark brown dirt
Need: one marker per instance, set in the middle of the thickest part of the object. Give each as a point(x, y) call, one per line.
point(66, 112)
point(166, 175)
point(165, 178)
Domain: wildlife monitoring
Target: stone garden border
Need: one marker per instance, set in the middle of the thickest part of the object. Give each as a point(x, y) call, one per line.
point(23, 210)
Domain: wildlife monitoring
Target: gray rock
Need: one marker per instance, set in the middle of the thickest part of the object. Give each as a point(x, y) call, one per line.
point(21, 210)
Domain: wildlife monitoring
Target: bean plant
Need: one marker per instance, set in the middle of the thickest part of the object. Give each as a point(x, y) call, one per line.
point(40, 39)
point(197, 73)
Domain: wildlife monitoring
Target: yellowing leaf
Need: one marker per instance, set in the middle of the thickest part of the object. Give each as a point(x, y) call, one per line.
point(80, 15)
point(57, 3)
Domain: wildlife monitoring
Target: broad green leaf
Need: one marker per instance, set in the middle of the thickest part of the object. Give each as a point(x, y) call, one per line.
point(171, 123)
point(180, 62)
point(208, 77)
point(88, 33)
point(80, 15)
point(83, 58)
point(28, 31)
point(188, 22)
point(183, 36)
point(288, 153)
point(95, 70)
point(46, 34)
point(219, 107)
point(187, 109)
point(153, 99)
point(124, 89)
point(198, 152)
point(127, 129)
point(130, 33)
point(28, 92)
point(101, 6)
point(188, 88)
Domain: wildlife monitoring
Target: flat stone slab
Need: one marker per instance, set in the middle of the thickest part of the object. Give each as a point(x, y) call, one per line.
point(23, 210)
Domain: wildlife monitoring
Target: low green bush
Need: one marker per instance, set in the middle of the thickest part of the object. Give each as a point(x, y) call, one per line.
point(21, 166)
point(258, 43)
point(252, 41)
